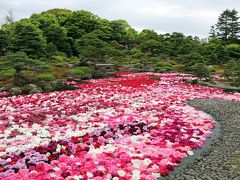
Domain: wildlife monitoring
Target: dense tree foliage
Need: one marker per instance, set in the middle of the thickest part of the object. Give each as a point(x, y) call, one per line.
point(27, 38)
point(81, 33)
point(62, 38)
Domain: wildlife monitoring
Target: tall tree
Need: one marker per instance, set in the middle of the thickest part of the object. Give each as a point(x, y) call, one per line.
point(58, 37)
point(119, 28)
point(215, 51)
point(228, 26)
point(90, 46)
point(28, 38)
point(151, 47)
point(147, 34)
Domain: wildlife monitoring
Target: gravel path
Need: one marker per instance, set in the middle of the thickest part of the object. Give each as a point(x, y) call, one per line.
point(221, 160)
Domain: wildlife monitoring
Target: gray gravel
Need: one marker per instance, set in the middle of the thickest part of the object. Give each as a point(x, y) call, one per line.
point(221, 159)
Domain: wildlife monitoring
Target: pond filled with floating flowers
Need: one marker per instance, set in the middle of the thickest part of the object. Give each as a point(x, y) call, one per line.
point(135, 126)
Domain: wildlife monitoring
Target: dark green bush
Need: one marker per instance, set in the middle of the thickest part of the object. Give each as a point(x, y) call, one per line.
point(236, 82)
point(44, 68)
point(138, 65)
point(201, 70)
point(163, 67)
point(188, 68)
point(60, 86)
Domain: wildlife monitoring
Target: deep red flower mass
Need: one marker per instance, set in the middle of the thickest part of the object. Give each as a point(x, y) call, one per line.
point(134, 126)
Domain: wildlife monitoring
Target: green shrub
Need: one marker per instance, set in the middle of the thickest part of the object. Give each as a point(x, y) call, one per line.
point(43, 59)
point(173, 63)
point(135, 61)
point(231, 89)
point(188, 68)
point(163, 64)
point(138, 65)
point(42, 84)
point(236, 82)
point(27, 74)
point(45, 77)
point(159, 69)
point(167, 68)
point(135, 53)
point(159, 64)
point(85, 69)
point(154, 59)
point(212, 69)
point(44, 68)
point(163, 67)
point(201, 70)
point(60, 64)
point(60, 86)
point(74, 60)
point(8, 73)
point(59, 58)
point(76, 71)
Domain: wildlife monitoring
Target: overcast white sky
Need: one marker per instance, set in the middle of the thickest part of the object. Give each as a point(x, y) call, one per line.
point(192, 17)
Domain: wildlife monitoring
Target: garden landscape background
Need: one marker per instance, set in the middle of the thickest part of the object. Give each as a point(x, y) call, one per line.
point(85, 97)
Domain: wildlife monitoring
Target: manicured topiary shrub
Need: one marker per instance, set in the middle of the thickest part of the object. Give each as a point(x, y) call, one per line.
point(60, 86)
point(45, 77)
point(201, 70)
point(79, 72)
point(85, 69)
point(44, 68)
point(163, 67)
point(59, 58)
point(76, 72)
point(8, 73)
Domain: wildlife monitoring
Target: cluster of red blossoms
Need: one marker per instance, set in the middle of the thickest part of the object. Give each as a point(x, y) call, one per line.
point(135, 126)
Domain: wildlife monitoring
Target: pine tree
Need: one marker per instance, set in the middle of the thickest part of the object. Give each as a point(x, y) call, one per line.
point(228, 26)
